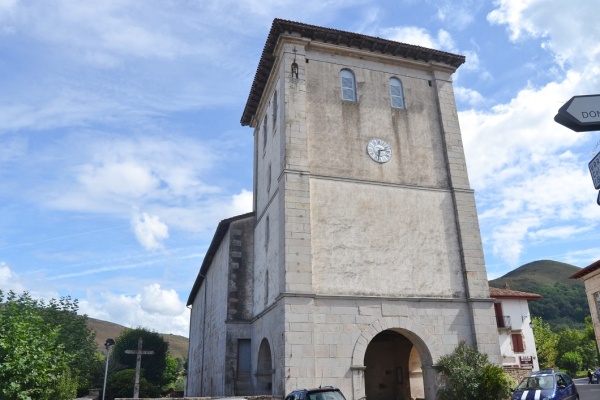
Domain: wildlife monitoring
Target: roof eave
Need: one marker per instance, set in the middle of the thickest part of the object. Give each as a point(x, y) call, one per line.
point(337, 37)
point(210, 253)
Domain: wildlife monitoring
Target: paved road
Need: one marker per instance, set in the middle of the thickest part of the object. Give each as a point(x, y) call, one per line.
point(587, 392)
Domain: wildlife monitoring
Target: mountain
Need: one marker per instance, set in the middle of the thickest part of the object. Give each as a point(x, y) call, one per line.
point(563, 301)
point(178, 345)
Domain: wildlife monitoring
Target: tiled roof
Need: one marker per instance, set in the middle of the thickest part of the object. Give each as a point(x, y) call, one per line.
point(587, 270)
point(497, 293)
point(340, 38)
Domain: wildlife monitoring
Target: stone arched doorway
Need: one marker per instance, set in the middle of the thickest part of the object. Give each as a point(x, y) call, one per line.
point(264, 369)
point(391, 368)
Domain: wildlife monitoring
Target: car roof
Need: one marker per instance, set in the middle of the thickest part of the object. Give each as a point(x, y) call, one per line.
point(316, 390)
point(545, 372)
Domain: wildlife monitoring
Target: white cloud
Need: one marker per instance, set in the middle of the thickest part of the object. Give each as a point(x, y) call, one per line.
point(570, 30)
point(9, 280)
point(149, 230)
point(420, 37)
point(155, 300)
point(108, 175)
point(457, 14)
point(557, 232)
point(127, 179)
point(530, 178)
point(241, 203)
point(141, 310)
point(469, 96)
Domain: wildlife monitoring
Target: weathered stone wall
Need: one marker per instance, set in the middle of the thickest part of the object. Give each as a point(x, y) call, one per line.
point(517, 374)
point(208, 343)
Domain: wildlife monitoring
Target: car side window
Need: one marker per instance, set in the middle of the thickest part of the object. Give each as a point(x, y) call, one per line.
point(290, 397)
point(568, 379)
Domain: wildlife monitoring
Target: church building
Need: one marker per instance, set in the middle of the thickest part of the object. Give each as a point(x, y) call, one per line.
point(361, 263)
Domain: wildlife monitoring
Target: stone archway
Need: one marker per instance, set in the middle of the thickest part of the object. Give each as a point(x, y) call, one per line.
point(264, 369)
point(387, 375)
point(406, 362)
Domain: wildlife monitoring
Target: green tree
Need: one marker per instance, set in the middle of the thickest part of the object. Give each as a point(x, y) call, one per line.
point(571, 361)
point(545, 342)
point(153, 365)
point(33, 361)
point(468, 375)
point(589, 348)
point(76, 336)
point(170, 373)
point(569, 341)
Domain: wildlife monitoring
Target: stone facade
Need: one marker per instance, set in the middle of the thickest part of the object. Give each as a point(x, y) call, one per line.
point(363, 274)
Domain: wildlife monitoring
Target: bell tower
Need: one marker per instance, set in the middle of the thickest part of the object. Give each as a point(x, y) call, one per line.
point(365, 220)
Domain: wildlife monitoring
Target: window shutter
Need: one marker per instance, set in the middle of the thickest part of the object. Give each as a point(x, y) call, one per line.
point(499, 315)
point(517, 341)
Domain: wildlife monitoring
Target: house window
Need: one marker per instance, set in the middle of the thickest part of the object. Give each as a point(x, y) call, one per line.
point(265, 134)
point(274, 109)
point(348, 85)
point(396, 93)
point(517, 342)
point(499, 315)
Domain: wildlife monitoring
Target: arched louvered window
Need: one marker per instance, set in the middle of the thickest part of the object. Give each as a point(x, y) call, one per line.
point(264, 128)
point(348, 85)
point(275, 109)
point(396, 93)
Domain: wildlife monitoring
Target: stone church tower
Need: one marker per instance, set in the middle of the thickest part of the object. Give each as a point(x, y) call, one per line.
point(361, 264)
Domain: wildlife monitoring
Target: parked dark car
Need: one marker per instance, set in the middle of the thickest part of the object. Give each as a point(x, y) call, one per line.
point(321, 393)
point(546, 385)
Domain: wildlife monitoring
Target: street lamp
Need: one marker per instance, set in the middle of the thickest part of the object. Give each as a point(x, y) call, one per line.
point(109, 342)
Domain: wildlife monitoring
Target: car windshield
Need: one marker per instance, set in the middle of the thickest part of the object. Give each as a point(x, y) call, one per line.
point(537, 383)
point(329, 395)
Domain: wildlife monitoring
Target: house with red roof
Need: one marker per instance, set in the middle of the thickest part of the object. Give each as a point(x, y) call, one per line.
point(515, 328)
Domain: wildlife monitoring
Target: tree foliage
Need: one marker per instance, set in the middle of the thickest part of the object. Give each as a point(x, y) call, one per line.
point(545, 343)
point(468, 375)
point(34, 363)
point(75, 334)
point(153, 365)
point(571, 361)
point(569, 349)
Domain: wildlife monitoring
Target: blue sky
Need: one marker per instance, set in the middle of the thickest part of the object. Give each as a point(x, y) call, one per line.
point(121, 147)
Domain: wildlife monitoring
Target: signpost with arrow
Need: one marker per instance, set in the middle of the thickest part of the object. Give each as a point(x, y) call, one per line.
point(582, 114)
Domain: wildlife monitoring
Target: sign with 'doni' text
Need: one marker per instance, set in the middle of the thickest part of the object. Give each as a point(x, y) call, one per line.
point(594, 166)
point(581, 113)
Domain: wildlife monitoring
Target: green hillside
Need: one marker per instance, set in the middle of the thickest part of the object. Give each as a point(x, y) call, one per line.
point(563, 300)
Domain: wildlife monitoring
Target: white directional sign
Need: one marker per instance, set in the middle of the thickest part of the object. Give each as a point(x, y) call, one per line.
point(581, 113)
point(594, 166)
point(585, 108)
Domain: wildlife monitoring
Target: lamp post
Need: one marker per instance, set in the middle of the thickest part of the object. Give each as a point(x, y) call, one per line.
point(109, 342)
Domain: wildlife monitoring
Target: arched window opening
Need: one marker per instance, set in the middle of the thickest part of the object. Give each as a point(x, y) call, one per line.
point(396, 93)
point(274, 109)
point(265, 134)
point(348, 85)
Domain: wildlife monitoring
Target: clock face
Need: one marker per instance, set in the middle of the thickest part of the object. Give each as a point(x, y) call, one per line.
point(379, 150)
